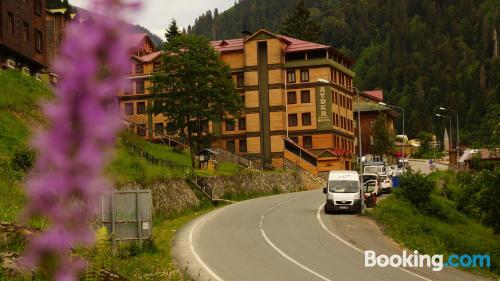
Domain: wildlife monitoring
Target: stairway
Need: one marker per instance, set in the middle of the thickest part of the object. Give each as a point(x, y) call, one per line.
point(301, 157)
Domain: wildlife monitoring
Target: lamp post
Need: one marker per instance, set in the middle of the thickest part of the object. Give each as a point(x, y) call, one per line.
point(449, 118)
point(359, 117)
point(402, 109)
point(458, 130)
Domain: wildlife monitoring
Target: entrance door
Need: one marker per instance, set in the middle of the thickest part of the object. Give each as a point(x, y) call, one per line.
point(347, 165)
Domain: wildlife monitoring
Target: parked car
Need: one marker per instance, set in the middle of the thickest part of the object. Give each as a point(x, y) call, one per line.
point(374, 168)
point(343, 192)
point(385, 183)
point(375, 177)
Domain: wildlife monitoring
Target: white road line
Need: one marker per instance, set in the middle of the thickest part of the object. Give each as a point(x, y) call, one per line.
point(215, 276)
point(283, 254)
point(318, 216)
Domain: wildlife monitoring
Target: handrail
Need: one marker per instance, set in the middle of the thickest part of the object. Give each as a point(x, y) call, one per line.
point(169, 138)
point(302, 153)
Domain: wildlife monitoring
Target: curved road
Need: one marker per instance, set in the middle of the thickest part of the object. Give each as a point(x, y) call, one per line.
point(289, 237)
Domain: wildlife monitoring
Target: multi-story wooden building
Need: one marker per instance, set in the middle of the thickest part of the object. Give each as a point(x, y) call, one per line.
point(22, 35)
point(289, 115)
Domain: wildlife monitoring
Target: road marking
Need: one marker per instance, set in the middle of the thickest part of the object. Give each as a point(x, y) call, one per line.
point(215, 276)
point(283, 254)
point(318, 216)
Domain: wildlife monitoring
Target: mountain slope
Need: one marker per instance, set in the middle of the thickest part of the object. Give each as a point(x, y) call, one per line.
point(423, 54)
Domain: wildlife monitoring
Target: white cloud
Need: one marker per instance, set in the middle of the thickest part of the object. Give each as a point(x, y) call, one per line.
point(157, 14)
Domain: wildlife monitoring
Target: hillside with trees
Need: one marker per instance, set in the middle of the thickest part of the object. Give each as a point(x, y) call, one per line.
point(423, 54)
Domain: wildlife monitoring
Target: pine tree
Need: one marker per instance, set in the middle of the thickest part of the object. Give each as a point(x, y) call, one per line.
point(172, 31)
point(300, 25)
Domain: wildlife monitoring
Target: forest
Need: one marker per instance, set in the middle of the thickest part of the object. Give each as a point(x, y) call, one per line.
point(424, 54)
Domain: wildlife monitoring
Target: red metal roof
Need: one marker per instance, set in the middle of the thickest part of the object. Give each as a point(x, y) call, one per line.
point(149, 57)
point(228, 45)
point(377, 95)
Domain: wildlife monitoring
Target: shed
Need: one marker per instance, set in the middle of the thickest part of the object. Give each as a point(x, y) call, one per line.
point(207, 159)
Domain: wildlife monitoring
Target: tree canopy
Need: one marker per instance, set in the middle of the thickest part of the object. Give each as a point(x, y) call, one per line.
point(300, 25)
point(383, 137)
point(172, 31)
point(193, 88)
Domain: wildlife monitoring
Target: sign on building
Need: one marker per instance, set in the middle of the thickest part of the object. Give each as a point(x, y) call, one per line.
point(127, 215)
point(324, 113)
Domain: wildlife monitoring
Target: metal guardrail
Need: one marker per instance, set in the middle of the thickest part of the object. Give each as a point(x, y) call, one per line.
point(300, 152)
point(226, 156)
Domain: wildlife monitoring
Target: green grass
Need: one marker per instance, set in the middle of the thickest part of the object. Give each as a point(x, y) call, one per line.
point(455, 233)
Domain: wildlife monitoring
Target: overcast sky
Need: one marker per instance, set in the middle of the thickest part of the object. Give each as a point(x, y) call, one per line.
point(155, 15)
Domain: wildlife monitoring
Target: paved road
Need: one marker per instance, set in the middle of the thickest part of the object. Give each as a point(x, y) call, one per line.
point(423, 166)
point(288, 237)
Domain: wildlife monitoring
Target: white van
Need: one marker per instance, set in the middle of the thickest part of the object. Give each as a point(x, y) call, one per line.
point(343, 192)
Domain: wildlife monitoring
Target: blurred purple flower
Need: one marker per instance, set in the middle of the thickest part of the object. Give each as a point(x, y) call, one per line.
point(84, 118)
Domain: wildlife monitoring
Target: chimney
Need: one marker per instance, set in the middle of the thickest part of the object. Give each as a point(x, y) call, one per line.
point(246, 34)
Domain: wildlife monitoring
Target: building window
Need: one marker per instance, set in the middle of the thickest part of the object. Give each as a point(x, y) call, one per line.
point(171, 129)
point(243, 100)
point(307, 141)
point(141, 107)
point(26, 32)
point(304, 75)
point(229, 125)
point(240, 81)
point(38, 40)
point(291, 97)
point(139, 68)
point(204, 126)
point(139, 87)
point(231, 146)
point(11, 22)
point(306, 119)
point(243, 146)
point(305, 96)
point(157, 66)
point(290, 76)
point(38, 7)
point(372, 142)
point(127, 90)
point(141, 130)
point(295, 139)
point(159, 128)
point(129, 108)
point(292, 120)
point(242, 124)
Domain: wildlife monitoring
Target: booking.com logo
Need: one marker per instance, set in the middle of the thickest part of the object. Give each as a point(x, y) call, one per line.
point(436, 262)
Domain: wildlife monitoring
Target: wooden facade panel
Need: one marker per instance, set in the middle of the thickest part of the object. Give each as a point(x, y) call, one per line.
point(276, 97)
point(251, 78)
point(253, 123)
point(319, 73)
point(277, 121)
point(250, 53)
point(301, 163)
point(276, 76)
point(322, 141)
point(251, 99)
point(274, 50)
point(234, 60)
point(277, 144)
point(253, 144)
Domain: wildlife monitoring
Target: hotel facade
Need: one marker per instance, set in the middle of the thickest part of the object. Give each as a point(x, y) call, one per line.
point(289, 118)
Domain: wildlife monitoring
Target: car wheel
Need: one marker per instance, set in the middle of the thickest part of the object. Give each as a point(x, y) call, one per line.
point(327, 210)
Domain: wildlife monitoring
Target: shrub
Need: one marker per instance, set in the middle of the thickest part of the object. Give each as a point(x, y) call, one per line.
point(23, 160)
point(416, 188)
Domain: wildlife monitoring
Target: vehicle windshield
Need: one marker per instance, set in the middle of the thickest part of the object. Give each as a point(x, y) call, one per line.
point(383, 178)
point(374, 169)
point(369, 177)
point(343, 186)
point(369, 186)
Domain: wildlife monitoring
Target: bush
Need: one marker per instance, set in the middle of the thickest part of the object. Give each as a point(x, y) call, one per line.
point(416, 188)
point(23, 160)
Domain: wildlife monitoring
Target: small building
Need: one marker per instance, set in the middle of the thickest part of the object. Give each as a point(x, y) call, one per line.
point(483, 157)
point(207, 159)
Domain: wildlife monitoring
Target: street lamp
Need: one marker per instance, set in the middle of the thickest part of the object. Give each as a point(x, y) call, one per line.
point(458, 130)
point(445, 116)
point(402, 109)
point(359, 117)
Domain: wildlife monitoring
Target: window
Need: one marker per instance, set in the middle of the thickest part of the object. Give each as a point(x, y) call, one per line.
point(26, 32)
point(204, 126)
point(242, 124)
point(38, 7)
point(139, 68)
point(304, 75)
point(307, 141)
point(11, 22)
point(291, 97)
point(372, 142)
point(243, 145)
point(243, 99)
point(231, 146)
point(139, 87)
point(290, 76)
point(295, 139)
point(38, 40)
point(292, 120)
point(127, 90)
point(141, 130)
point(305, 96)
point(141, 107)
point(306, 119)
point(171, 128)
point(240, 81)
point(159, 128)
point(129, 108)
point(157, 66)
point(229, 125)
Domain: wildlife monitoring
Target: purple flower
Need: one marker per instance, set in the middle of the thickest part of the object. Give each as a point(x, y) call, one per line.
point(68, 178)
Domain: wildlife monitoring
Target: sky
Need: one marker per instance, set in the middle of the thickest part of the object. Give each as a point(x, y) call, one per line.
point(156, 15)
